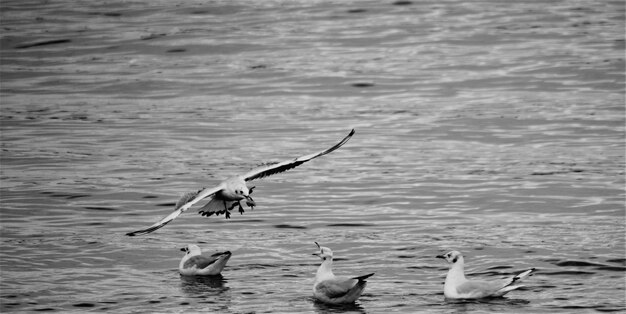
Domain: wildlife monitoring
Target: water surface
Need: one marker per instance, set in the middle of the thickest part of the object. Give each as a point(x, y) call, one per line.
point(496, 129)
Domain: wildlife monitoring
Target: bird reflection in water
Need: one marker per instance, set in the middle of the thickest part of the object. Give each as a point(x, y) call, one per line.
point(202, 286)
point(495, 305)
point(324, 308)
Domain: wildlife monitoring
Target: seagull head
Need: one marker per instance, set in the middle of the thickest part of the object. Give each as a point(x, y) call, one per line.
point(242, 190)
point(244, 193)
point(452, 257)
point(324, 252)
point(191, 249)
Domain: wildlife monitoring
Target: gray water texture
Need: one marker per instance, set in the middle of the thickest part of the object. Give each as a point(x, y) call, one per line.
point(495, 128)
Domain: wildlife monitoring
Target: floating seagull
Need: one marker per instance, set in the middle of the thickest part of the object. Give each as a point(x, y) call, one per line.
point(229, 194)
point(458, 287)
point(330, 289)
point(194, 263)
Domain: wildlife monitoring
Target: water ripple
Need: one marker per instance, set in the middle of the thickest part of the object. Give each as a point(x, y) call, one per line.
point(495, 129)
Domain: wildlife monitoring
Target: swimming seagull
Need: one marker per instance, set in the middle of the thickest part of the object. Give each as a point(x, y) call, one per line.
point(229, 194)
point(457, 286)
point(334, 290)
point(194, 263)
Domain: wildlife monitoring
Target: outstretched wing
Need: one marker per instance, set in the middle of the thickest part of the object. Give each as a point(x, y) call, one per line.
point(269, 170)
point(183, 204)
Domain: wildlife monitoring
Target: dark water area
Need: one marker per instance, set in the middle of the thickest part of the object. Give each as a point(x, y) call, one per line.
point(493, 128)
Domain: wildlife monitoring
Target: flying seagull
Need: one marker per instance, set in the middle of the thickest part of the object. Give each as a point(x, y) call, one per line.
point(457, 286)
point(230, 192)
point(335, 290)
point(194, 263)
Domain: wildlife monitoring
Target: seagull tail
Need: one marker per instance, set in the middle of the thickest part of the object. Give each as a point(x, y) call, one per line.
point(507, 289)
point(356, 291)
point(508, 286)
point(157, 225)
point(362, 278)
point(217, 207)
point(221, 253)
point(521, 276)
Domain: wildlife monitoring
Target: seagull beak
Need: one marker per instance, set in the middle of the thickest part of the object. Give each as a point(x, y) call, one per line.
point(183, 249)
point(250, 202)
point(440, 256)
point(318, 253)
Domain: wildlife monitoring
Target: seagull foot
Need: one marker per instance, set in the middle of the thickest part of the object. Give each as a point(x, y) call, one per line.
point(250, 202)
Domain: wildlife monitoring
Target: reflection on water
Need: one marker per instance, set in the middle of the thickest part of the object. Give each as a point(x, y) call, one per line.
point(321, 307)
point(494, 305)
point(196, 286)
point(492, 128)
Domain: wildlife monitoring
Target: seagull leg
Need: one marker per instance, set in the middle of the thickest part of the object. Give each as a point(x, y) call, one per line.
point(227, 211)
point(241, 211)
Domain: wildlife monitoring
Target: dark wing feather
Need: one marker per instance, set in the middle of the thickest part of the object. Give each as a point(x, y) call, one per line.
point(266, 171)
point(269, 170)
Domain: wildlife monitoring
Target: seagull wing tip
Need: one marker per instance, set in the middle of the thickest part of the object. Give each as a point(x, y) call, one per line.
point(139, 232)
point(148, 230)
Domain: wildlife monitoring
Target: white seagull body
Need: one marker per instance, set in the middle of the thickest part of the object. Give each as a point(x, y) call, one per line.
point(457, 286)
point(335, 290)
point(229, 193)
point(194, 263)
